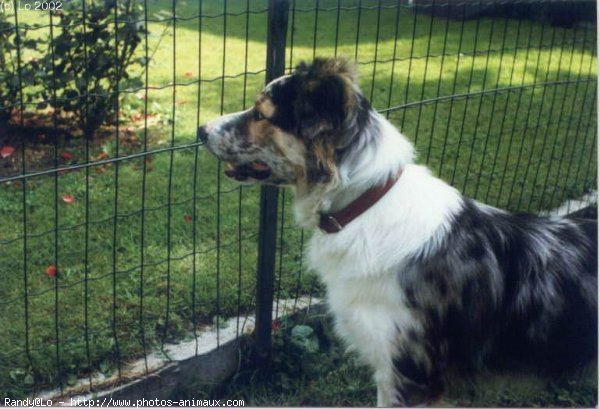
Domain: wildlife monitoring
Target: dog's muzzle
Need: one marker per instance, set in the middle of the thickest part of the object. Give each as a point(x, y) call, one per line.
point(202, 134)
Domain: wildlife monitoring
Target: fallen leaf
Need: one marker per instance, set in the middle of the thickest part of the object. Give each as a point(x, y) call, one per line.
point(68, 199)
point(188, 218)
point(189, 74)
point(275, 326)
point(6, 151)
point(17, 115)
point(66, 155)
point(51, 270)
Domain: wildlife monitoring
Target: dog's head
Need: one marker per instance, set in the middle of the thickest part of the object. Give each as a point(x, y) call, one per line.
point(298, 129)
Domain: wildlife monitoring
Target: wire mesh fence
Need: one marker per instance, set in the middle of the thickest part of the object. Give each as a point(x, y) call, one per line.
point(120, 236)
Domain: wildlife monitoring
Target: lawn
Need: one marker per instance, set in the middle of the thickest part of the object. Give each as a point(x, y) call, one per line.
point(311, 368)
point(150, 247)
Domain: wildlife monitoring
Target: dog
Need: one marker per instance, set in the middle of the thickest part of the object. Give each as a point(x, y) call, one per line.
point(419, 278)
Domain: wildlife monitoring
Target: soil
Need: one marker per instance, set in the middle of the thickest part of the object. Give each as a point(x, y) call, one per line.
point(46, 142)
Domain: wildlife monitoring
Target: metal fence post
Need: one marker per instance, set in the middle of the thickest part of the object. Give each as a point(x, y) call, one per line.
point(267, 234)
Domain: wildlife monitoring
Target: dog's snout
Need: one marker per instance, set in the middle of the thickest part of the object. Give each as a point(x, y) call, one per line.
point(202, 134)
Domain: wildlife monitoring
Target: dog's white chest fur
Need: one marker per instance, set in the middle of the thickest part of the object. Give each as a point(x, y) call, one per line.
point(367, 311)
point(361, 264)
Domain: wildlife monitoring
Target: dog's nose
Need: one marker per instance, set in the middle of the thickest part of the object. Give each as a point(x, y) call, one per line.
point(202, 134)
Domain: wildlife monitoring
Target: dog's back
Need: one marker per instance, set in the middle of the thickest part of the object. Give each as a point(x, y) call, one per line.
point(514, 287)
point(572, 341)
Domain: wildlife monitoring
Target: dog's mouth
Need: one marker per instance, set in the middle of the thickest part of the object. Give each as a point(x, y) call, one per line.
point(254, 170)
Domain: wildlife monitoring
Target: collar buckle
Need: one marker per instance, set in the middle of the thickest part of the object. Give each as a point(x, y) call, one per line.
point(329, 224)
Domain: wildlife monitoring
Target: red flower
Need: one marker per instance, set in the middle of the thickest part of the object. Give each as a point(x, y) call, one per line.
point(6, 151)
point(68, 199)
point(66, 155)
point(275, 326)
point(51, 270)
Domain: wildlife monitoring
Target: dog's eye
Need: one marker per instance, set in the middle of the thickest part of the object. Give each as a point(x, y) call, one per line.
point(257, 115)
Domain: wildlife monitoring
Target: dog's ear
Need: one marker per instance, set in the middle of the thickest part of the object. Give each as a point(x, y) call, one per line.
point(320, 164)
point(321, 107)
point(324, 96)
point(321, 67)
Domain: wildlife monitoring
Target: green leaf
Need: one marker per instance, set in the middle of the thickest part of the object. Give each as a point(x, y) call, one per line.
point(105, 368)
point(107, 148)
point(16, 374)
point(305, 338)
point(30, 43)
point(71, 94)
point(220, 322)
point(29, 380)
point(72, 379)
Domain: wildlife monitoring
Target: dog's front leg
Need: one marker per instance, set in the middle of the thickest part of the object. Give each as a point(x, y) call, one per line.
point(413, 378)
point(383, 397)
point(386, 390)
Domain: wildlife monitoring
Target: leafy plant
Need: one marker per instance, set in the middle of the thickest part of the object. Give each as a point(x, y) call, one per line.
point(305, 339)
point(91, 61)
point(84, 61)
point(16, 74)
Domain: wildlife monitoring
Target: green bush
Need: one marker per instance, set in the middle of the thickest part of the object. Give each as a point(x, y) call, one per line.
point(83, 63)
point(92, 66)
point(11, 84)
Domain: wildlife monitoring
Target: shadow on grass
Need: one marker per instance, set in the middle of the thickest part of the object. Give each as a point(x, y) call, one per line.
point(309, 367)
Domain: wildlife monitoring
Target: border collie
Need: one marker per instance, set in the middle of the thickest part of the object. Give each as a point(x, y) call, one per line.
point(418, 277)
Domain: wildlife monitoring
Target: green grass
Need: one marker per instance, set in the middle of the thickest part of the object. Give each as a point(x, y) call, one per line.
point(327, 376)
point(492, 146)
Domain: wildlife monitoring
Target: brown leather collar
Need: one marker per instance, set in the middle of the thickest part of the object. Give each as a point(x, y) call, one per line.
point(334, 222)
